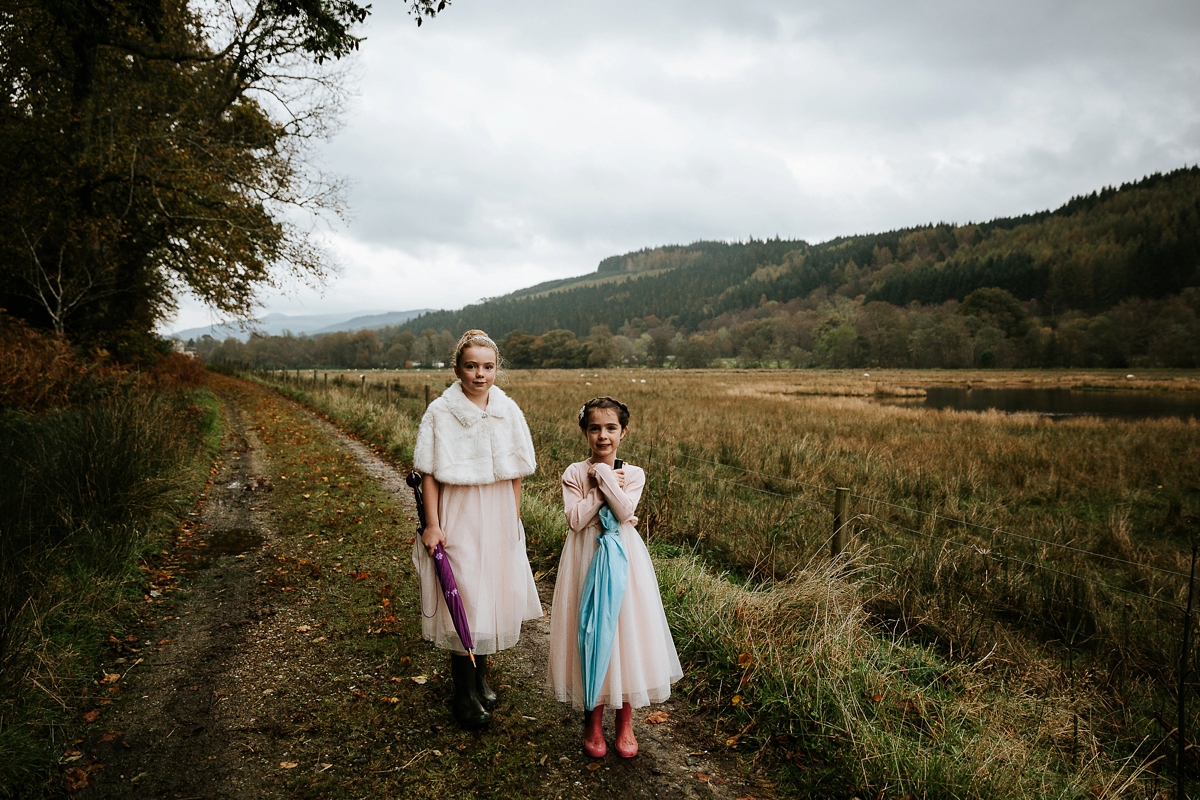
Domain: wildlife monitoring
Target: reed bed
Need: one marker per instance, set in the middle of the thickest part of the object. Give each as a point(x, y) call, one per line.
point(1056, 600)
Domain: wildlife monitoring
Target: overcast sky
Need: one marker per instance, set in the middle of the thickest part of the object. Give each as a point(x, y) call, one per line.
point(507, 143)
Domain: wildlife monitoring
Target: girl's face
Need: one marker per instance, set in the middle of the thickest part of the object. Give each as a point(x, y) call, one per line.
point(477, 371)
point(604, 433)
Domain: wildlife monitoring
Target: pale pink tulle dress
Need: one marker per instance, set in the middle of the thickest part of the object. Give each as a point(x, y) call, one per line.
point(644, 662)
point(486, 547)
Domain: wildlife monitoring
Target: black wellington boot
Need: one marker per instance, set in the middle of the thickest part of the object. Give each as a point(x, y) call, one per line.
point(469, 713)
point(487, 697)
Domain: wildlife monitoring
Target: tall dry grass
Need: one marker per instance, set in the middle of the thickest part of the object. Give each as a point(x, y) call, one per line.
point(742, 466)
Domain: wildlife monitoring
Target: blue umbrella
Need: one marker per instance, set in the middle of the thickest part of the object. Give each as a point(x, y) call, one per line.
point(601, 603)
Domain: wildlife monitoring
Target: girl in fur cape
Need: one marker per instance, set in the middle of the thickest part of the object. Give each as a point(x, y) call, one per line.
point(473, 449)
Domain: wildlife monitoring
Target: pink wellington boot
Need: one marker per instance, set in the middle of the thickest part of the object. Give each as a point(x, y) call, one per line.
point(593, 733)
point(626, 743)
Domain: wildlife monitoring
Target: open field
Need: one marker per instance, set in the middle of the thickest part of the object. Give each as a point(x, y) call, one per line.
point(1064, 581)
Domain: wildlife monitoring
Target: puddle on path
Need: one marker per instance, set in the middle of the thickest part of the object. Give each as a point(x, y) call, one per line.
point(226, 542)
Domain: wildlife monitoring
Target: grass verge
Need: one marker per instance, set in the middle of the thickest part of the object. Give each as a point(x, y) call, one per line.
point(87, 491)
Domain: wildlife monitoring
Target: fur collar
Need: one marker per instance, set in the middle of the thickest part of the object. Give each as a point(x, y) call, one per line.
point(459, 443)
point(467, 412)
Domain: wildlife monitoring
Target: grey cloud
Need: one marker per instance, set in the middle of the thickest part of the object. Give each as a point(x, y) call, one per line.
point(534, 138)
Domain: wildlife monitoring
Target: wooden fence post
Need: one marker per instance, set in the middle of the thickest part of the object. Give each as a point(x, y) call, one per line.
point(841, 517)
point(427, 395)
point(363, 381)
point(1181, 742)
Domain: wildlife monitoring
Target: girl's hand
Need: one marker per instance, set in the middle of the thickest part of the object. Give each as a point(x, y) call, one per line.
point(620, 473)
point(431, 538)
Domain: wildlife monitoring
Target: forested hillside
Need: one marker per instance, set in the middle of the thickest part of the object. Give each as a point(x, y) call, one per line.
point(1108, 279)
point(1141, 240)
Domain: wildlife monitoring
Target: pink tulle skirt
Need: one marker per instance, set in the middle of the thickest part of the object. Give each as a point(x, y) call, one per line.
point(486, 547)
point(644, 662)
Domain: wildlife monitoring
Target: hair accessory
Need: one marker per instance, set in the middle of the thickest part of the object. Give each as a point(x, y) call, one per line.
point(582, 410)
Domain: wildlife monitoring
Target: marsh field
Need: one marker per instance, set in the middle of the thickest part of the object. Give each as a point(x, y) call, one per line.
point(1006, 616)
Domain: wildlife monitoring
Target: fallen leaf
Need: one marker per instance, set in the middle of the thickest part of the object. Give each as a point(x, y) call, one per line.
point(110, 736)
point(77, 779)
point(736, 700)
point(71, 755)
point(304, 629)
point(289, 764)
point(745, 660)
point(595, 765)
point(110, 677)
point(437, 753)
point(732, 741)
point(875, 698)
point(420, 680)
point(700, 776)
point(389, 700)
point(91, 717)
point(306, 495)
point(359, 696)
point(318, 639)
point(658, 717)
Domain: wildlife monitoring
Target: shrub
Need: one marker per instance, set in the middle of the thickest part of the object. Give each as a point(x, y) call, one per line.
point(35, 371)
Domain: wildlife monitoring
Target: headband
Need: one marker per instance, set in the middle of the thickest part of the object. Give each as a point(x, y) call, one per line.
point(477, 338)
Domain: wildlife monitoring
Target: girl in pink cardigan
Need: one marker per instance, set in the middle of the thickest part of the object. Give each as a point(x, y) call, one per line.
point(644, 662)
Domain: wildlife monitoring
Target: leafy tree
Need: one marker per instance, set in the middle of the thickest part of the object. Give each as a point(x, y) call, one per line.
point(998, 308)
point(558, 349)
point(517, 349)
point(601, 348)
point(696, 353)
point(154, 146)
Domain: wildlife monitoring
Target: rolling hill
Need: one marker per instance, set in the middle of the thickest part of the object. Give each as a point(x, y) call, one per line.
point(1139, 240)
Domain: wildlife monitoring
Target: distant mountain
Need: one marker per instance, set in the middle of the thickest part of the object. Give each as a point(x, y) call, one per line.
point(1095, 251)
point(373, 322)
point(302, 324)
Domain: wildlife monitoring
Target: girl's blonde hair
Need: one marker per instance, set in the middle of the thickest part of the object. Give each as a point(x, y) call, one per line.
point(474, 338)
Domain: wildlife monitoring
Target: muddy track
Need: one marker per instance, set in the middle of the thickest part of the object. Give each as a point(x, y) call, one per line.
point(215, 690)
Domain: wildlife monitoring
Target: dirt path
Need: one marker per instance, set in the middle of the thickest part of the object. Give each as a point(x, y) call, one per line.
point(252, 676)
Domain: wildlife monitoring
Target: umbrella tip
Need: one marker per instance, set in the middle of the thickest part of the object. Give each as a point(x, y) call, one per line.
point(471, 653)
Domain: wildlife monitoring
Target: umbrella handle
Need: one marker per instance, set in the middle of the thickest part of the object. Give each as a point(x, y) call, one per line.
point(421, 596)
point(413, 479)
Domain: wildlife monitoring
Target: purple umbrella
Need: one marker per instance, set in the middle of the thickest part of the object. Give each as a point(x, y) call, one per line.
point(445, 575)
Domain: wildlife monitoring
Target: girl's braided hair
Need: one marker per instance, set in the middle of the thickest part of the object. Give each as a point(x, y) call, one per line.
point(474, 338)
point(603, 402)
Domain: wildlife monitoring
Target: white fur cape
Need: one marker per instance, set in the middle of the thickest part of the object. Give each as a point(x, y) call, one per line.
point(460, 444)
